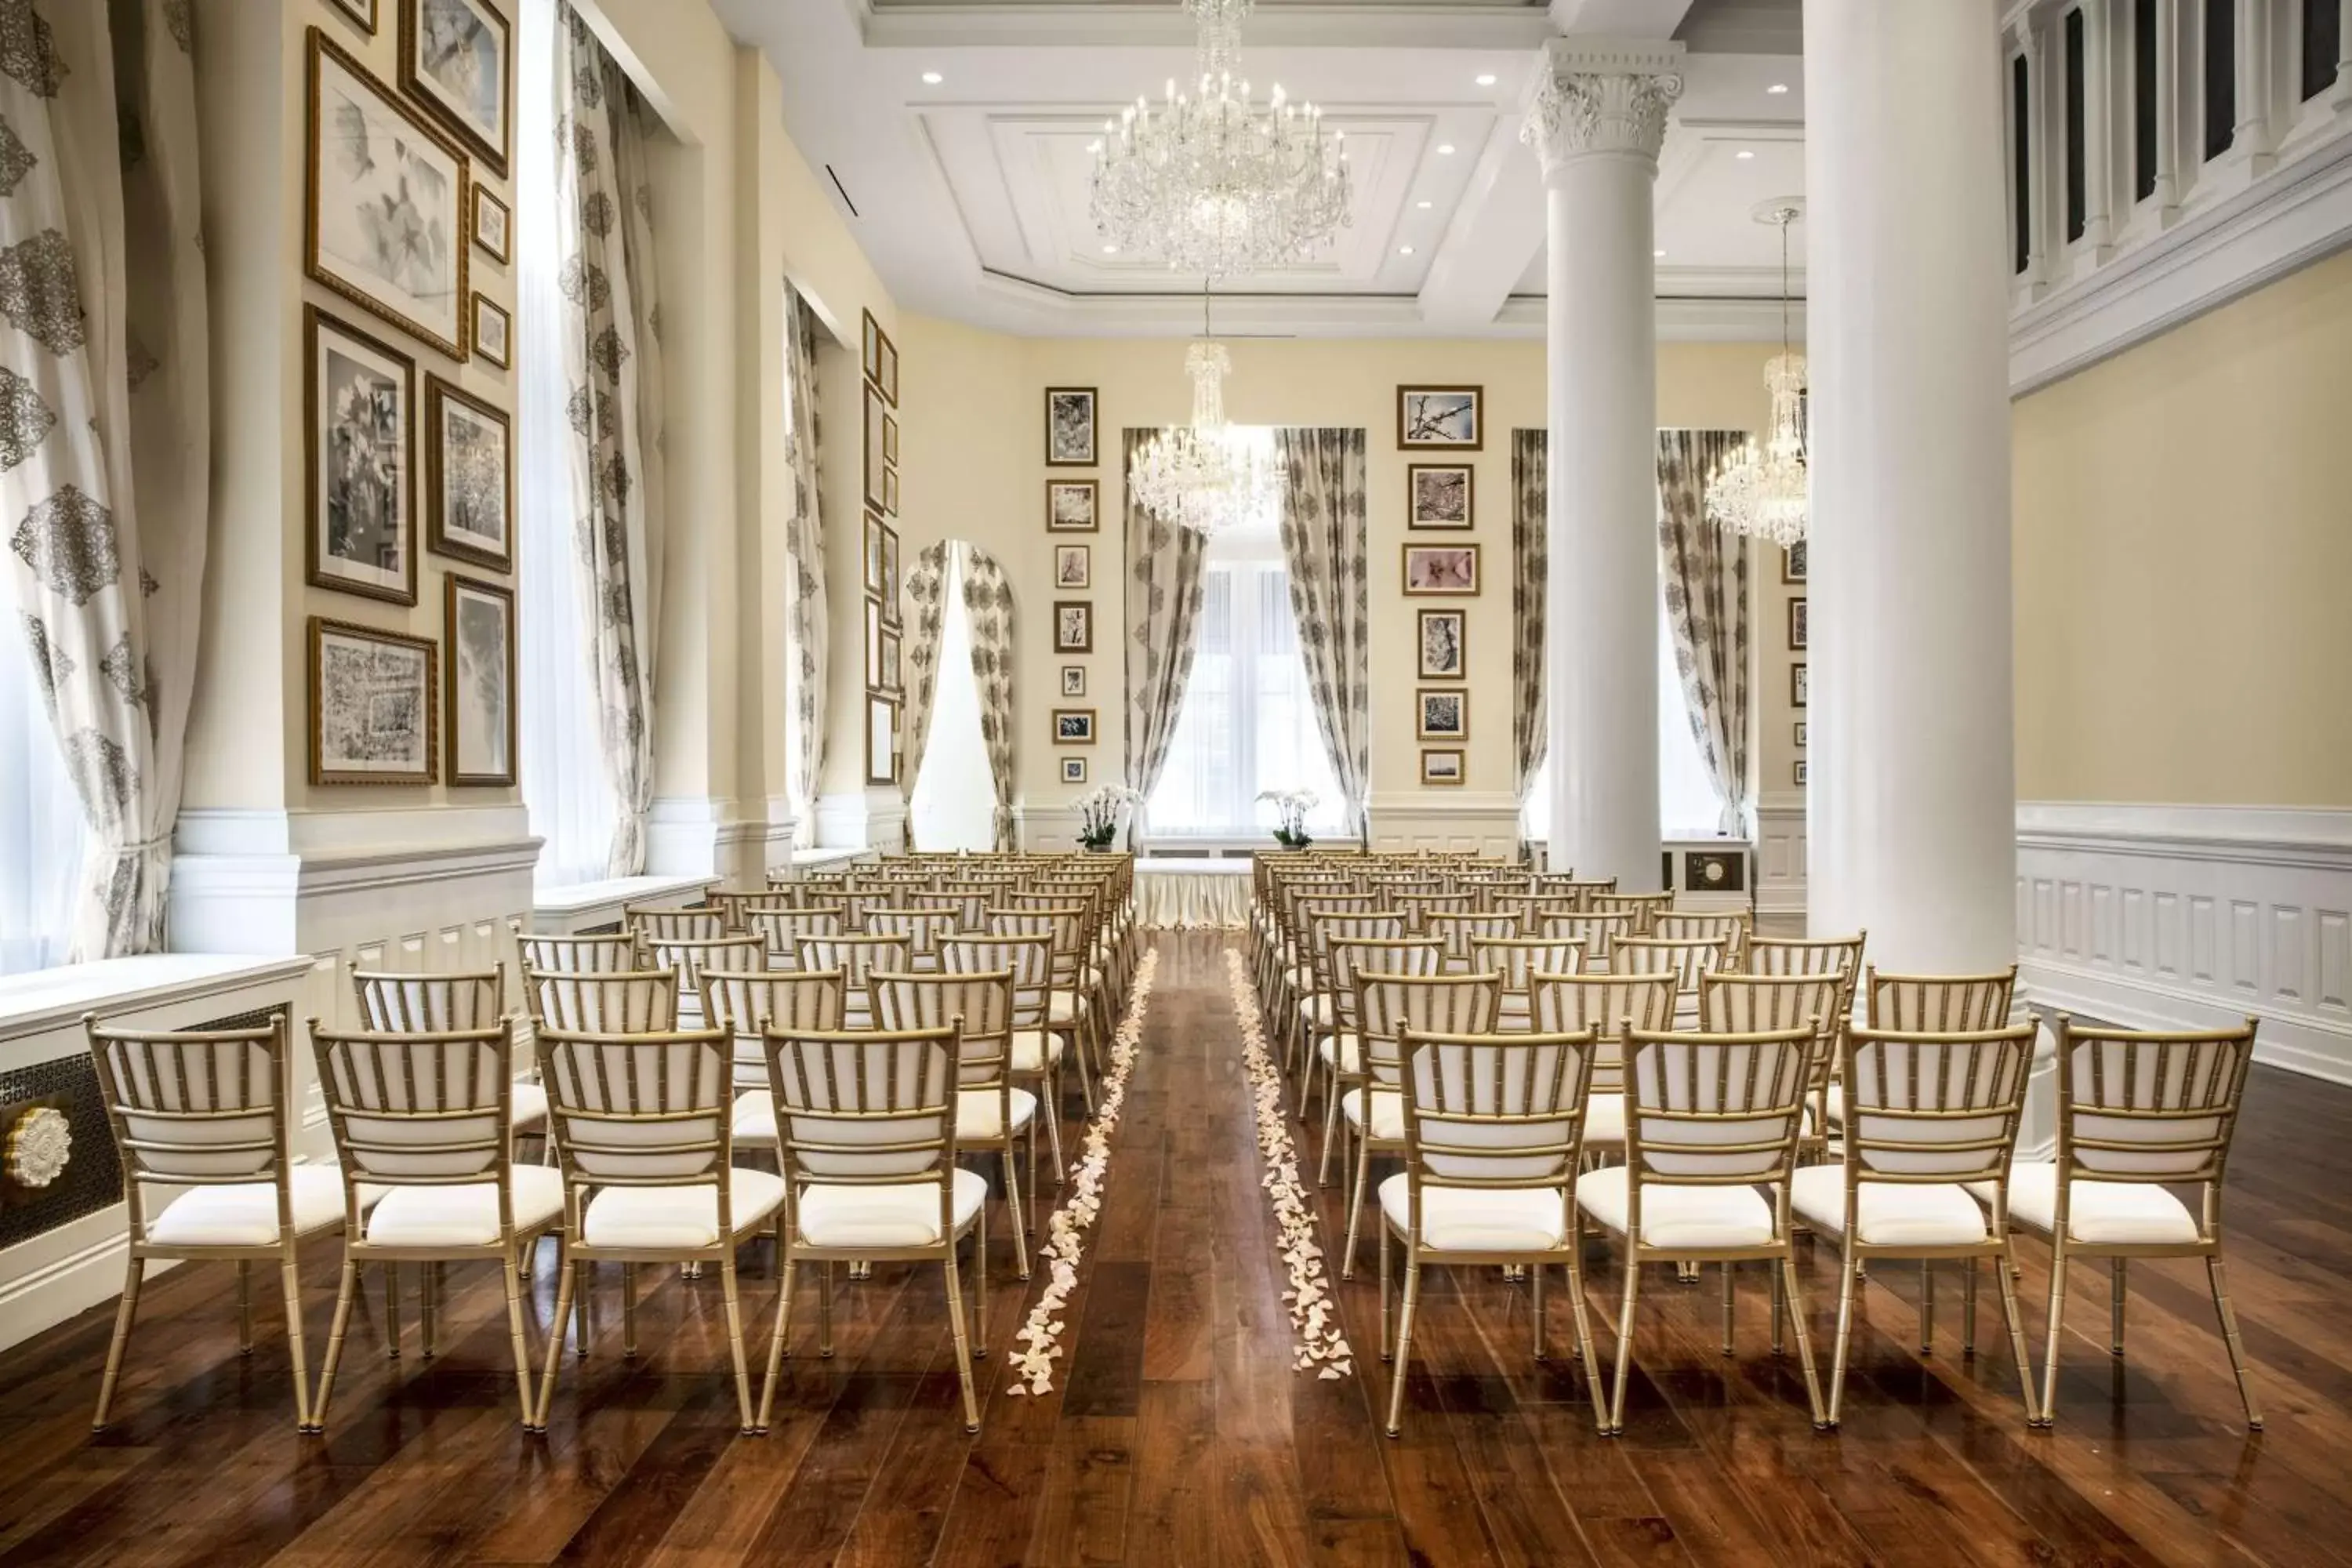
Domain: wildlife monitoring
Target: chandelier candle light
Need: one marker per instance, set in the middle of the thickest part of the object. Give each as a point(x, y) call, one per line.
point(1767, 492)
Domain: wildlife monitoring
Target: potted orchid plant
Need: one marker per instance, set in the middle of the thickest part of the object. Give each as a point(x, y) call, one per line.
point(1098, 810)
point(1290, 807)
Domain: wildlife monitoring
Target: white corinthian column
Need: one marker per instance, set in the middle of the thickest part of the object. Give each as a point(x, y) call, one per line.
point(1599, 116)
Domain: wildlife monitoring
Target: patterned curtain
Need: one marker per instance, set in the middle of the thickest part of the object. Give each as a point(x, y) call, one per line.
point(927, 616)
point(1164, 574)
point(806, 616)
point(1330, 593)
point(611, 362)
point(105, 422)
point(1706, 576)
point(988, 600)
point(1531, 553)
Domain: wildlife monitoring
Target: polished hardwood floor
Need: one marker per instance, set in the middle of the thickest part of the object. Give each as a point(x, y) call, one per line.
point(1179, 1435)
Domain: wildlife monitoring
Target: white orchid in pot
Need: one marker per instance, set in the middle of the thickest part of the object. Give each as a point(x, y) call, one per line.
point(1290, 810)
point(1098, 810)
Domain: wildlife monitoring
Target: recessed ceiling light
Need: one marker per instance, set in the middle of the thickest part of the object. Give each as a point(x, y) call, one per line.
point(1445, 148)
point(1743, 154)
point(1404, 251)
point(1425, 206)
point(1113, 250)
point(932, 78)
point(1485, 78)
point(1777, 89)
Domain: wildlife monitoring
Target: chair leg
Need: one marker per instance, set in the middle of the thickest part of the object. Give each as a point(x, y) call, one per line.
point(1848, 1276)
point(514, 1335)
point(424, 1308)
point(824, 1308)
point(629, 1312)
point(567, 1280)
point(133, 1272)
point(1804, 1339)
point(586, 1278)
point(980, 1287)
point(779, 1342)
point(2005, 1276)
point(344, 1291)
point(2057, 1323)
point(289, 1271)
point(728, 1292)
point(1404, 1340)
point(1730, 1278)
point(2116, 1292)
point(962, 1347)
point(1967, 1308)
point(1926, 1308)
point(391, 1312)
point(1536, 1308)
point(2217, 1275)
point(1053, 1127)
point(1012, 1208)
point(1624, 1343)
point(1331, 1123)
point(245, 1306)
point(1779, 1314)
point(1381, 1238)
point(1355, 1195)
point(1584, 1350)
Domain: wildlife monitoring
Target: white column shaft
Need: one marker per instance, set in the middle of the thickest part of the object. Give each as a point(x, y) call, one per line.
point(1912, 807)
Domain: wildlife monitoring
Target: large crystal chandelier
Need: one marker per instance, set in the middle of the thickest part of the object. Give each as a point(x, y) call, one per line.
point(1197, 476)
point(1212, 183)
point(1766, 491)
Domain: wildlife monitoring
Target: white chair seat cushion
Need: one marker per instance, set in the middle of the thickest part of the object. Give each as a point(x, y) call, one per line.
point(755, 1117)
point(246, 1214)
point(2099, 1211)
point(1605, 1119)
point(529, 1108)
point(1061, 1007)
point(680, 1216)
point(467, 1216)
point(1891, 1214)
point(979, 1113)
point(1699, 1217)
point(1388, 1114)
point(1033, 1050)
point(1344, 1051)
point(885, 1216)
point(1316, 1011)
point(1301, 979)
point(1463, 1219)
point(1834, 1099)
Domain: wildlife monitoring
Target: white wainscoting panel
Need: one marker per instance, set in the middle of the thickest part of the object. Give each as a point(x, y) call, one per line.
point(1482, 822)
point(1780, 850)
point(2189, 917)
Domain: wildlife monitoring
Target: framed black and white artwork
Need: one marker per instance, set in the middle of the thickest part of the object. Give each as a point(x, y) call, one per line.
point(1074, 770)
point(478, 635)
point(1441, 766)
point(1070, 427)
point(1074, 627)
point(470, 484)
point(1073, 726)
point(386, 202)
point(1442, 635)
point(493, 332)
point(1445, 715)
point(1800, 688)
point(1793, 562)
point(1074, 566)
point(456, 58)
point(1438, 495)
point(1074, 681)
point(372, 706)
point(492, 224)
point(1441, 418)
point(1441, 569)
point(359, 436)
point(881, 740)
point(1798, 629)
point(1072, 506)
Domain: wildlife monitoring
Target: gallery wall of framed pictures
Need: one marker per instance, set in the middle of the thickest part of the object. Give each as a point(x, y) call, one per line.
point(1074, 522)
point(407, 440)
point(886, 690)
point(1441, 430)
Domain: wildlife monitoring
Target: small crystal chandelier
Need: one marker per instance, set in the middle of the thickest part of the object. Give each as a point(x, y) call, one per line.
point(1765, 492)
point(1212, 183)
point(1197, 476)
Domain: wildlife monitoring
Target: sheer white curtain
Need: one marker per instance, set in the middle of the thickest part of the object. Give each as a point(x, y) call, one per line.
point(42, 833)
point(952, 806)
point(564, 780)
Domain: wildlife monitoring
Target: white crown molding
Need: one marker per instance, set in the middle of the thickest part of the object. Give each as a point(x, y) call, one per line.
point(2298, 212)
point(2247, 835)
point(1501, 26)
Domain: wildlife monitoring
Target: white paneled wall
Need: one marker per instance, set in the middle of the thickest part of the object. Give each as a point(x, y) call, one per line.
point(2182, 917)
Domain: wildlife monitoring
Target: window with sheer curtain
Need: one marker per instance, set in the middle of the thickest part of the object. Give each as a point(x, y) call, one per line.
point(41, 829)
point(564, 780)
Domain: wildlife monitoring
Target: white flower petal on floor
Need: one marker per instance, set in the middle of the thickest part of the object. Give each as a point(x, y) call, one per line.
point(1065, 1229)
point(1313, 1311)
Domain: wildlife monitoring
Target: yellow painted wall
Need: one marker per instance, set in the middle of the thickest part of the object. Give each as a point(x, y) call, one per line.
point(2183, 548)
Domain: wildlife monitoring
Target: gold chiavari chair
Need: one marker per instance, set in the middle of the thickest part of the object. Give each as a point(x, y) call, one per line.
point(747, 1003)
point(396, 1003)
point(1931, 1114)
point(1065, 1011)
point(625, 1002)
point(644, 1125)
point(1519, 959)
point(1338, 1039)
point(737, 905)
point(783, 930)
point(1686, 963)
point(1534, 909)
point(1492, 1141)
point(1709, 1119)
point(659, 922)
point(920, 929)
point(1420, 909)
point(1927, 1003)
point(966, 908)
point(604, 952)
point(1598, 933)
point(1687, 925)
point(1645, 907)
point(869, 1148)
point(1583, 890)
point(856, 957)
point(1460, 933)
point(1315, 1018)
point(1746, 1004)
point(1296, 984)
point(1609, 1005)
point(1389, 1002)
point(1840, 955)
point(209, 1112)
point(1033, 1052)
point(416, 1119)
point(2139, 1113)
point(989, 1112)
point(687, 957)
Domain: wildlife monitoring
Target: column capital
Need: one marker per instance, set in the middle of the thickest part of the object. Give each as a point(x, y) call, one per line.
point(1602, 95)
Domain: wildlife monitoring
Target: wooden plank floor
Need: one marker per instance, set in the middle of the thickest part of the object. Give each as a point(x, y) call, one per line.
point(1179, 1435)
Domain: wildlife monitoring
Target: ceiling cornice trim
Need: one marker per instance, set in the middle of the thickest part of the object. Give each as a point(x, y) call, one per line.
point(1490, 27)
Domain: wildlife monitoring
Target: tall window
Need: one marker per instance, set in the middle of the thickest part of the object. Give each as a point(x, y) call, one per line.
point(2020, 165)
point(2323, 46)
point(42, 833)
point(2077, 165)
point(952, 806)
point(2143, 92)
point(2221, 54)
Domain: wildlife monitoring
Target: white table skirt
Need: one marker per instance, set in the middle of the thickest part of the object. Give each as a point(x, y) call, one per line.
point(1189, 893)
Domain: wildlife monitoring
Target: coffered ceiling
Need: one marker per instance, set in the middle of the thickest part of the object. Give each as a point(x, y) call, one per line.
point(970, 192)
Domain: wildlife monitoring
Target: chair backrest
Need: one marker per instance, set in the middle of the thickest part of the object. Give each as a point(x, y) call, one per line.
point(629, 1002)
point(782, 930)
point(1494, 1111)
point(392, 1001)
point(1814, 955)
point(1028, 961)
point(1520, 959)
point(649, 1108)
point(737, 906)
point(419, 1108)
point(1420, 909)
point(966, 907)
point(2135, 1106)
point(1739, 1004)
point(1344, 959)
point(1389, 1003)
point(920, 929)
point(1928, 1002)
point(873, 1107)
point(1685, 960)
point(1708, 1109)
point(196, 1106)
point(746, 1003)
point(856, 957)
point(1598, 932)
point(1941, 1107)
point(689, 957)
point(607, 953)
point(978, 1006)
point(664, 923)
point(1643, 906)
point(1689, 925)
point(1608, 1004)
point(1460, 933)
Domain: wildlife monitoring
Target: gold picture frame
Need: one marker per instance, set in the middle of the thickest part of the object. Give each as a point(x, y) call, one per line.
point(330, 477)
point(1071, 427)
point(455, 697)
point(1441, 571)
point(492, 145)
point(1443, 767)
point(495, 236)
point(1067, 501)
point(1073, 726)
point(494, 346)
point(1074, 626)
point(1432, 502)
point(371, 708)
point(1439, 703)
point(1441, 418)
point(440, 398)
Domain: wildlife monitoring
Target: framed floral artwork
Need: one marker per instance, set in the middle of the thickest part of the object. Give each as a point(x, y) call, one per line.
point(456, 58)
point(470, 482)
point(359, 439)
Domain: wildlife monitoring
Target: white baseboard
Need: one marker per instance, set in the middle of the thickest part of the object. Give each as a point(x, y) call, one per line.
point(2192, 917)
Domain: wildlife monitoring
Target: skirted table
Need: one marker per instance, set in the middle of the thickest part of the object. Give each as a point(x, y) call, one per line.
point(1192, 893)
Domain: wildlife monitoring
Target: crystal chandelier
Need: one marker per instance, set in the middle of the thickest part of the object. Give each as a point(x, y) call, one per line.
point(1212, 183)
point(1766, 491)
point(1197, 476)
